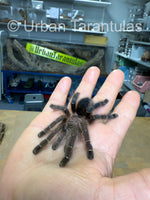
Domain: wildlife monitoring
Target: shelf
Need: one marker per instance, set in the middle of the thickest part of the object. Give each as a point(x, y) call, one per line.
point(136, 2)
point(84, 31)
point(138, 32)
point(46, 29)
point(35, 88)
point(131, 87)
point(20, 89)
point(146, 64)
point(92, 3)
point(41, 74)
point(70, 36)
point(96, 3)
point(140, 42)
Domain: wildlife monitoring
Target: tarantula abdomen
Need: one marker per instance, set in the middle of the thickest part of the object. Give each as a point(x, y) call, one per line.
point(69, 126)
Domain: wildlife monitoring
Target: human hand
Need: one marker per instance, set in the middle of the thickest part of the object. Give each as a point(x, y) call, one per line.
point(26, 176)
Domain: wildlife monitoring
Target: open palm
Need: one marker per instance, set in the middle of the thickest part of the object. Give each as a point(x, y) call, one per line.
point(28, 177)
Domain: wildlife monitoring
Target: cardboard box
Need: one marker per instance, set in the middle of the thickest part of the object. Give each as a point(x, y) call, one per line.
point(95, 40)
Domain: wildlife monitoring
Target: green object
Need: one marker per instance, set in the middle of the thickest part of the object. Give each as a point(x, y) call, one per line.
point(29, 83)
point(54, 55)
point(124, 62)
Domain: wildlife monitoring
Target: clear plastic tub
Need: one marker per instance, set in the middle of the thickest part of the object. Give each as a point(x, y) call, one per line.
point(19, 14)
point(37, 4)
point(36, 16)
point(65, 13)
point(78, 15)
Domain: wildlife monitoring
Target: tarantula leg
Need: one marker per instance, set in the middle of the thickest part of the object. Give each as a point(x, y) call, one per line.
point(44, 142)
point(68, 151)
point(96, 105)
point(73, 101)
point(90, 153)
point(62, 108)
point(57, 120)
point(96, 117)
point(58, 141)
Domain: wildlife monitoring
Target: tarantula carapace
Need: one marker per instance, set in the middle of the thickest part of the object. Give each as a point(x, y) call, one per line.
point(71, 125)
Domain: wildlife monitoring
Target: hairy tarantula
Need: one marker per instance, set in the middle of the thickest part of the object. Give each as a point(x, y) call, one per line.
point(72, 125)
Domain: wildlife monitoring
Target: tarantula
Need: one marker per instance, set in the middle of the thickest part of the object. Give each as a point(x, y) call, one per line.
point(72, 125)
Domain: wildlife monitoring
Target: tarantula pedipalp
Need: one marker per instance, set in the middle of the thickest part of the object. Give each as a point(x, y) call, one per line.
point(71, 125)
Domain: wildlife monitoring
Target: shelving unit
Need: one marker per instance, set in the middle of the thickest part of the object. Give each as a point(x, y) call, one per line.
point(2, 39)
point(139, 61)
point(140, 42)
point(133, 46)
point(34, 89)
point(135, 32)
point(21, 89)
point(1, 79)
point(92, 3)
point(32, 30)
point(69, 36)
point(129, 84)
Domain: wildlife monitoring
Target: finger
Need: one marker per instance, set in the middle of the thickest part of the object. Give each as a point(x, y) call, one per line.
point(88, 82)
point(109, 90)
point(45, 118)
point(60, 93)
point(126, 111)
point(110, 135)
point(58, 97)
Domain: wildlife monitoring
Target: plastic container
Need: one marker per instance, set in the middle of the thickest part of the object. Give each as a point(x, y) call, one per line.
point(65, 13)
point(4, 2)
point(21, 3)
point(36, 16)
point(137, 52)
point(72, 59)
point(19, 14)
point(34, 102)
point(52, 13)
point(78, 15)
point(5, 14)
point(142, 83)
point(37, 4)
